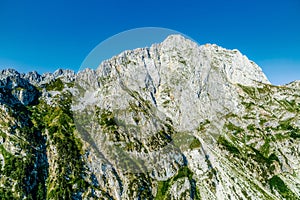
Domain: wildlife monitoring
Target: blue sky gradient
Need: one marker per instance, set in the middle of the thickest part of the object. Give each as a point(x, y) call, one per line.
point(46, 35)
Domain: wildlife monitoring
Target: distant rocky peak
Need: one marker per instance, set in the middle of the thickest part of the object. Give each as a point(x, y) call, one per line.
point(64, 73)
point(33, 77)
point(36, 79)
point(8, 72)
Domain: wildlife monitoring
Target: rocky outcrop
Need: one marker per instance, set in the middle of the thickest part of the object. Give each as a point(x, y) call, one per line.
point(15, 89)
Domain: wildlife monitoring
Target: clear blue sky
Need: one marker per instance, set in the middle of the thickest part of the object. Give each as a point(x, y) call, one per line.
point(46, 35)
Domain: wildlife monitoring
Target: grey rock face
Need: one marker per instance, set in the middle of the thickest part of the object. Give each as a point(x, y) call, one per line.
point(200, 92)
point(176, 76)
point(15, 89)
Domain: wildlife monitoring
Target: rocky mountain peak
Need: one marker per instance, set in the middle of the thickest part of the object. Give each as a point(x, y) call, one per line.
point(173, 121)
point(177, 42)
point(189, 72)
point(176, 51)
point(236, 67)
point(214, 104)
point(9, 72)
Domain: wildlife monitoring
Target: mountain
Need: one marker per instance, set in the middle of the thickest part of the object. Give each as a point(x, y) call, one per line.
point(173, 121)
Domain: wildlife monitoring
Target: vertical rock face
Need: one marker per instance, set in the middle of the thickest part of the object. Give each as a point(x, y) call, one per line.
point(16, 90)
point(173, 121)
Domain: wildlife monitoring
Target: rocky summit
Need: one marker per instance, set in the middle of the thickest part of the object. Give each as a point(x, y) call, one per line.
point(173, 121)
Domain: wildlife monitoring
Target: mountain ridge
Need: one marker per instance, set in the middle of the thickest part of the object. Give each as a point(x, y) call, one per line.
point(173, 121)
point(170, 39)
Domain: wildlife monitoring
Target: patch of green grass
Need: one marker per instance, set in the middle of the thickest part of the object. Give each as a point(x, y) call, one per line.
point(195, 144)
point(183, 172)
point(272, 158)
point(228, 145)
point(248, 105)
point(280, 137)
point(265, 148)
point(290, 106)
point(202, 125)
point(249, 90)
point(285, 125)
point(278, 184)
point(260, 158)
point(162, 189)
point(262, 121)
point(163, 186)
point(251, 127)
point(57, 85)
point(248, 117)
point(295, 134)
point(233, 128)
point(230, 115)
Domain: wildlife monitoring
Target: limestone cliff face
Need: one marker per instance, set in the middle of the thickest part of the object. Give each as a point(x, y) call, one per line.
point(173, 121)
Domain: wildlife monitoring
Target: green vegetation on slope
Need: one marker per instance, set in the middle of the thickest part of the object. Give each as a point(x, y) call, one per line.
point(276, 183)
point(24, 170)
point(164, 186)
point(66, 180)
point(57, 84)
